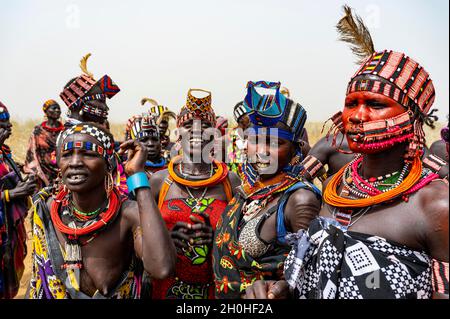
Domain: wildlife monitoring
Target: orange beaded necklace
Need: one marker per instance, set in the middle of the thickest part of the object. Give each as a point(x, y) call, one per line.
point(331, 197)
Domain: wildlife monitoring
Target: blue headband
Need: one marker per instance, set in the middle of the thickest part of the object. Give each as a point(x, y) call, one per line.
point(272, 131)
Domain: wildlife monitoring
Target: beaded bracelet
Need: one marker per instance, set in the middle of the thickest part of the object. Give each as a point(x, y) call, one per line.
point(5, 194)
point(138, 180)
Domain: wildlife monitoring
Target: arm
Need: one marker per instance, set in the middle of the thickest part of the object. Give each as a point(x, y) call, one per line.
point(436, 213)
point(301, 208)
point(157, 250)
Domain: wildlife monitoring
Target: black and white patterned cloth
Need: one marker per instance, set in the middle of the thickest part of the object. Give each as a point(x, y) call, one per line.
point(327, 263)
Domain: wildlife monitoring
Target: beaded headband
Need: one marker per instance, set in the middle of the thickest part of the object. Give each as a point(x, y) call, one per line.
point(197, 108)
point(141, 126)
point(105, 141)
point(89, 146)
point(4, 114)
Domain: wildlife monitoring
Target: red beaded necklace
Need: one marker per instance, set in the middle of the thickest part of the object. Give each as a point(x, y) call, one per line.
point(52, 129)
point(74, 233)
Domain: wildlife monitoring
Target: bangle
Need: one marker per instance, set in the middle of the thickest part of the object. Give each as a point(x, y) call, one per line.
point(6, 193)
point(138, 180)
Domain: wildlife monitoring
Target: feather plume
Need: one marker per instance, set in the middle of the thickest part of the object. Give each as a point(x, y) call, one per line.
point(151, 101)
point(83, 65)
point(352, 30)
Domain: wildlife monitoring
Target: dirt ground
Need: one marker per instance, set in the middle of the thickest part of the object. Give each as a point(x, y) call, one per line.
point(27, 273)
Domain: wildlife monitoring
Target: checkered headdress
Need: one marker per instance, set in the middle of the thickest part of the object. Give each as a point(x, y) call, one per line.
point(106, 143)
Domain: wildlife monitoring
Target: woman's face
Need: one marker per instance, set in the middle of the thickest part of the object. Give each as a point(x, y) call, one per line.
point(269, 154)
point(53, 112)
point(361, 107)
point(82, 170)
point(195, 136)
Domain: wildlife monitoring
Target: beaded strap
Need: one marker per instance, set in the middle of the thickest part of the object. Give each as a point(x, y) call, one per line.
point(88, 146)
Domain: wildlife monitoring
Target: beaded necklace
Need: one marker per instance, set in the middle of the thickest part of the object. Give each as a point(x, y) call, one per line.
point(198, 201)
point(52, 129)
point(93, 226)
point(221, 172)
point(264, 195)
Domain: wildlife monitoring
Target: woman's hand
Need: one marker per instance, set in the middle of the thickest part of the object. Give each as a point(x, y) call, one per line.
point(186, 235)
point(269, 289)
point(137, 155)
point(25, 188)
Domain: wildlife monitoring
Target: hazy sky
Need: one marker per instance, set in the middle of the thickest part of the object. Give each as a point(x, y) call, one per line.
point(160, 49)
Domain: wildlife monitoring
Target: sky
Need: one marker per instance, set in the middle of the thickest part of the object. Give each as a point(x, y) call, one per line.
point(160, 49)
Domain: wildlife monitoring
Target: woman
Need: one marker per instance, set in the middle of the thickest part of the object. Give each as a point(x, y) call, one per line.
point(383, 230)
point(14, 205)
point(41, 156)
point(249, 239)
point(89, 241)
point(193, 194)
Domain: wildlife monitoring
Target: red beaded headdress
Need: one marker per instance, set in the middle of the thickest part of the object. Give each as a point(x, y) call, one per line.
point(74, 94)
point(391, 74)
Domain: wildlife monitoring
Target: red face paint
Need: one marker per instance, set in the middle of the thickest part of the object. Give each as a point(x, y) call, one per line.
point(362, 108)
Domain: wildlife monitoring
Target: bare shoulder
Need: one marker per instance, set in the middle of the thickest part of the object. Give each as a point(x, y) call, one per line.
point(301, 207)
point(434, 201)
point(303, 196)
point(157, 179)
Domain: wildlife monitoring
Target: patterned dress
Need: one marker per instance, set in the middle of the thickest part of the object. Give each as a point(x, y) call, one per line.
point(12, 229)
point(329, 263)
point(193, 273)
point(240, 257)
point(50, 281)
point(41, 156)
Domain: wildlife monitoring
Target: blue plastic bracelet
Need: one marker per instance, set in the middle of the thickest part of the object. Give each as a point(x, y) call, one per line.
point(138, 180)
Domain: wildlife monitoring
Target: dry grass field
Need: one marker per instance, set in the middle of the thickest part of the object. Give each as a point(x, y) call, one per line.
point(22, 130)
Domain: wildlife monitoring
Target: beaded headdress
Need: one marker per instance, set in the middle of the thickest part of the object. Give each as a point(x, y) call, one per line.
point(159, 112)
point(394, 75)
point(265, 111)
point(75, 94)
point(239, 111)
point(4, 114)
point(140, 126)
point(105, 145)
point(197, 108)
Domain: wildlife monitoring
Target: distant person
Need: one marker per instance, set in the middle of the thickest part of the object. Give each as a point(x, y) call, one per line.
point(145, 130)
point(162, 116)
point(41, 154)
